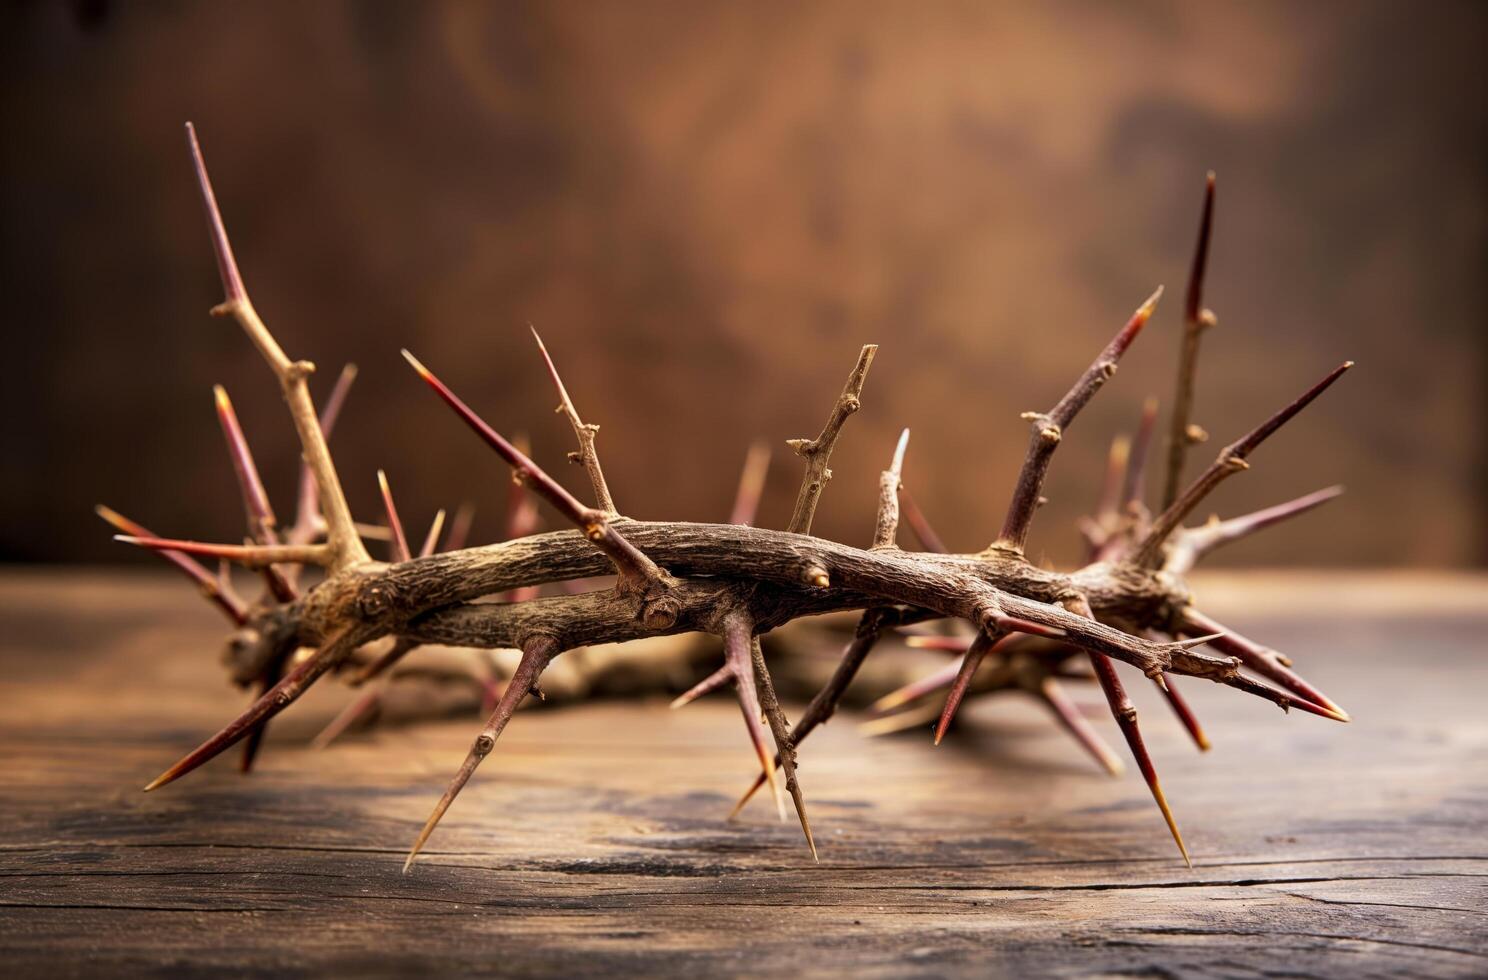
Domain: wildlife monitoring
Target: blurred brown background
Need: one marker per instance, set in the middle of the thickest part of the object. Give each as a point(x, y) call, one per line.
point(707, 208)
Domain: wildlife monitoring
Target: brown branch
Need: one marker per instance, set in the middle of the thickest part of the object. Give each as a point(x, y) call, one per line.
point(1196, 320)
point(309, 524)
point(817, 452)
point(785, 745)
point(344, 545)
point(216, 589)
point(1048, 428)
point(1231, 460)
point(537, 653)
point(586, 456)
point(751, 484)
point(886, 526)
point(402, 645)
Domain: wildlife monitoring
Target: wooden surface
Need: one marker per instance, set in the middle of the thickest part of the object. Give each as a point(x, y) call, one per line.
point(593, 839)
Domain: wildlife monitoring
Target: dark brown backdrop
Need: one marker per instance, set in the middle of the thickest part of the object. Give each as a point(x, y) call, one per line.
point(706, 209)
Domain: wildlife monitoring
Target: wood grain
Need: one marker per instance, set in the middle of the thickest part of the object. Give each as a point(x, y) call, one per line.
point(593, 840)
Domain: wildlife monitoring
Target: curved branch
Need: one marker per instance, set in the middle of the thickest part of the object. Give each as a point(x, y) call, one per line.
point(819, 450)
point(345, 545)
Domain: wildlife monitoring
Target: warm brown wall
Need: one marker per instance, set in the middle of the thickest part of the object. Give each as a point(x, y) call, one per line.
point(706, 209)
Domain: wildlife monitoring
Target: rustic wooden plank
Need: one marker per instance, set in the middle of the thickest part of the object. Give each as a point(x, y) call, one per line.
point(593, 840)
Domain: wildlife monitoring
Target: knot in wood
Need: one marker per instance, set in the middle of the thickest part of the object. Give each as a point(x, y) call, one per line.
point(1128, 714)
point(851, 404)
point(300, 370)
point(660, 613)
point(484, 743)
point(1207, 318)
point(374, 601)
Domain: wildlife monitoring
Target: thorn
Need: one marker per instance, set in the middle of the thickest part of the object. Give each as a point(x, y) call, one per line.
point(1052, 694)
point(1126, 719)
point(431, 540)
point(227, 266)
point(915, 690)
point(897, 465)
point(275, 700)
point(252, 556)
point(1185, 714)
point(969, 664)
point(707, 685)
point(918, 523)
point(751, 483)
point(628, 560)
point(395, 525)
point(261, 520)
point(459, 531)
point(216, 588)
point(738, 657)
point(890, 724)
point(535, 657)
point(784, 744)
point(1167, 812)
point(1144, 312)
point(363, 704)
point(1132, 490)
point(948, 644)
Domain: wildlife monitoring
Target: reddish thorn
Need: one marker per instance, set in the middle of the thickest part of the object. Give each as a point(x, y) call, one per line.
point(227, 266)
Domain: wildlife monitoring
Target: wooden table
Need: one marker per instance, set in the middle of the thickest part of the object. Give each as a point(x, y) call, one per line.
point(594, 840)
